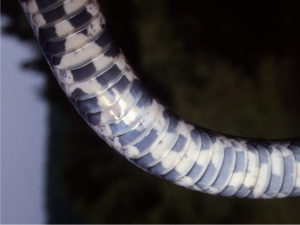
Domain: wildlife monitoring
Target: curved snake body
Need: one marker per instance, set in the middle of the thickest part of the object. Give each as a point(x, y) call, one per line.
point(104, 89)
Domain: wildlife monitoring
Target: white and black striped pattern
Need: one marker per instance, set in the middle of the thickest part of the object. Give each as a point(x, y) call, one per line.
point(96, 77)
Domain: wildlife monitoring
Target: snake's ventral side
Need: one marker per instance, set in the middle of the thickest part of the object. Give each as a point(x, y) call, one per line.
point(95, 76)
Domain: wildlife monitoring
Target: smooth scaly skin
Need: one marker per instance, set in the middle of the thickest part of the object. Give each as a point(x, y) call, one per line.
point(104, 89)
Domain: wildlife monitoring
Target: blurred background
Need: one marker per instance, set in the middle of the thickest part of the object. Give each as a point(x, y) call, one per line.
point(229, 67)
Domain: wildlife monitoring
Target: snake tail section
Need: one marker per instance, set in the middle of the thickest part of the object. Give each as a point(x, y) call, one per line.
point(105, 90)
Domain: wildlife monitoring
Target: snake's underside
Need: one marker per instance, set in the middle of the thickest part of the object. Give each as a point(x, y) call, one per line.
point(104, 89)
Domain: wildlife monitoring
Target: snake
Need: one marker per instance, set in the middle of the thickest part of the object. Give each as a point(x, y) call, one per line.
point(96, 77)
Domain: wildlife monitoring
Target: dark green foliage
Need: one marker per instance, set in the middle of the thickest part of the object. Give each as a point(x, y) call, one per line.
point(229, 67)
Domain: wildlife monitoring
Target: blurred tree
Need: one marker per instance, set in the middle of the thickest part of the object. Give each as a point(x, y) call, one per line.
point(230, 67)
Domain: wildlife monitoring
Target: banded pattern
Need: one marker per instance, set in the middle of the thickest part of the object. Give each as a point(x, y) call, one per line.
point(105, 90)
